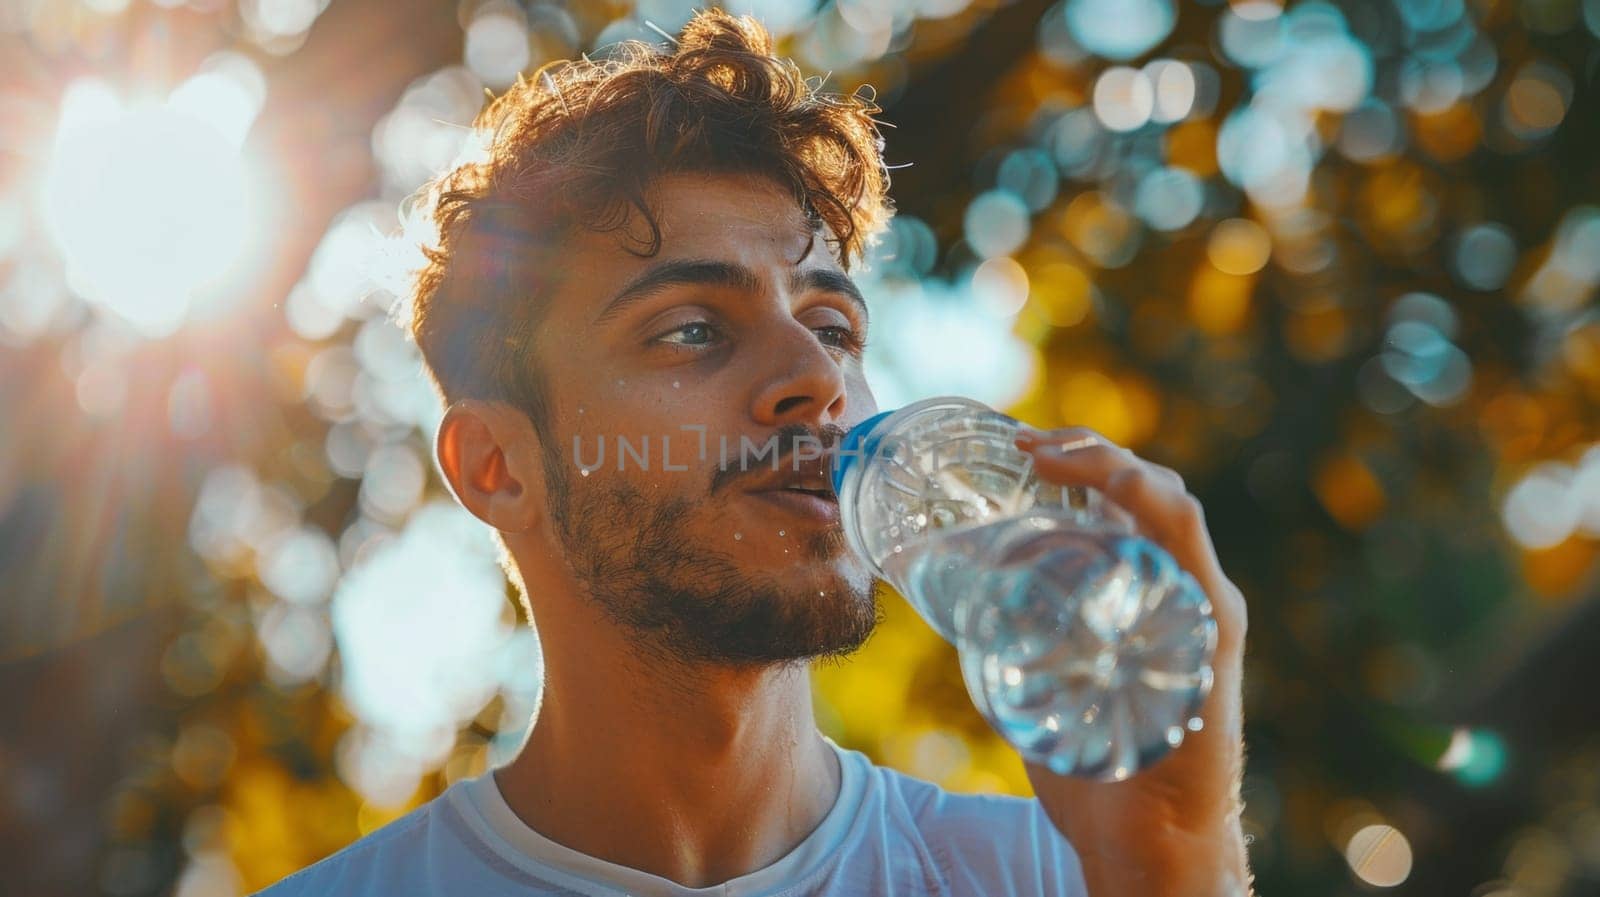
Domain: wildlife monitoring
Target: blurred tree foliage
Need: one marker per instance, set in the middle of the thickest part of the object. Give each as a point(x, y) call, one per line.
point(1370, 347)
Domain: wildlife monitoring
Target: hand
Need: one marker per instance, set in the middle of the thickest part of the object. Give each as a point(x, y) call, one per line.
point(1173, 826)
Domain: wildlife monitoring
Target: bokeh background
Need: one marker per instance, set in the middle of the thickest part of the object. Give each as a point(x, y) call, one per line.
point(1336, 262)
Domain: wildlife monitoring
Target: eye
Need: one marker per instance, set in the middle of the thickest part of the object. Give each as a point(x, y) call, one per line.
point(688, 336)
point(842, 338)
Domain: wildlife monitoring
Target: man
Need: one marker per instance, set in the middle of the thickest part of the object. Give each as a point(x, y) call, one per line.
point(654, 251)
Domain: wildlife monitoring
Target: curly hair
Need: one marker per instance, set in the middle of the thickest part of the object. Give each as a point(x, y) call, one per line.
point(578, 145)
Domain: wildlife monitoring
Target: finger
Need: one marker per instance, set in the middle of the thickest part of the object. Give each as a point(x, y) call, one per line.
point(1172, 515)
point(1155, 496)
point(1076, 456)
point(1175, 520)
point(1068, 440)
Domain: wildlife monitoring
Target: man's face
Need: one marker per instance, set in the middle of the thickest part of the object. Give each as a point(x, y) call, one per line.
point(675, 382)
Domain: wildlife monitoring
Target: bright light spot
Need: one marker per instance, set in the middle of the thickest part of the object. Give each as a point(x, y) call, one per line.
point(418, 625)
point(11, 224)
point(330, 382)
point(1586, 486)
point(309, 316)
point(281, 18)
point(101, 388)
point(1431, 85)
point(931, 319)
point(428, 129)
point(1063, 293)
point(189, 404)
point(1476, 757)
point(497, 45)
point(1174, 89)
point(1002, 285)
point(299, 566)
point(347, 448)
point(1120, 29)
point(997, 223)
point(1239, 246)
point(1428, 309)
point(235, 516)
point(1416, 354)
point(297, 641)
point(1100, 228)
point(1076, 140)
point(867, 16)
point(907, 249)
point(210, 873)
point(1430, 15)
point(1325, 70)
point(33, 299)
point(1369, 132)
point(149, 204)
point(1252, 33)
point(1537, 100)
point(1577, 249)
point(1267, 152)
point(392, 482)
point(668, 15)
point(1379, 855)
point(1169, 198)
point(384, 350)
point(1030, 174)
point(87, 104)
point(784, 17)
point(1541, 510)
point(346, 266)
point(227, 92)
point(1564, 281)
point(1484, 256)
point(1123, 98)
point(106, 7)
point(835, 41)
point(1460, 750)
point(938, 753)
point(1449, 384)
point(380, 770)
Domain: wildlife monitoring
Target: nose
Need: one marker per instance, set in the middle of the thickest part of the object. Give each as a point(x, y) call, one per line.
point(803, 382)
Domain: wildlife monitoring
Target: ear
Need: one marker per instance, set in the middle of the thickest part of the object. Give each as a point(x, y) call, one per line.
point(489, 454)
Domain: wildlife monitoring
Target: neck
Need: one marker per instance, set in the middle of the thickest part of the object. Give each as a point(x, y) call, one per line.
point(698, 776)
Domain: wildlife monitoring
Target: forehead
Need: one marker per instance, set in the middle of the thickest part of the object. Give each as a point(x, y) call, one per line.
point(744, 219)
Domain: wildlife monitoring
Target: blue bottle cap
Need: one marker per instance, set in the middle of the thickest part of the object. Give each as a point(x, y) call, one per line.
point(857, 444)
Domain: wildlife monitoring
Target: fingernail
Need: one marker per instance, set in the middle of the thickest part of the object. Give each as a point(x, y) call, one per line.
point(1073, 445)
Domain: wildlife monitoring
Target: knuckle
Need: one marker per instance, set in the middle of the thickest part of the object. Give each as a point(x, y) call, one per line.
point(1171, 476)
point(1131, 478)
point(1192, 515)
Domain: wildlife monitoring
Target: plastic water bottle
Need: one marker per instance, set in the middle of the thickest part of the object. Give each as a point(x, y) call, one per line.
point(1084, 644)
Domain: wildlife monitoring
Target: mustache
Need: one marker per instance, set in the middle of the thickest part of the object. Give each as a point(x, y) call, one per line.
point(789, 438)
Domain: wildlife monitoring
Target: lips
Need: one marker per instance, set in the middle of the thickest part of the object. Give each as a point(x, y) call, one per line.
point(818, 505)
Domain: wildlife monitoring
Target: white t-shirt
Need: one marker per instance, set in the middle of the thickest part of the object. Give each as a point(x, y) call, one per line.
point(888, 834)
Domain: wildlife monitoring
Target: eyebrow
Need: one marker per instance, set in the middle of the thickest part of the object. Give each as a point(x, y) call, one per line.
point(709, 272)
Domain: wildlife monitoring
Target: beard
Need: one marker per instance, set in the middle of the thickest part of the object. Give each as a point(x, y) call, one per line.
point(693, 604)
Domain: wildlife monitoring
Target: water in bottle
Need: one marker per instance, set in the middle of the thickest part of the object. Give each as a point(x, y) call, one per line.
point(1084, 644)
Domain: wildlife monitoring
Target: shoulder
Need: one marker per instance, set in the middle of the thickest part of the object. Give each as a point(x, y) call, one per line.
point(383, 862)
point(930, 805)
point(998, 843)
